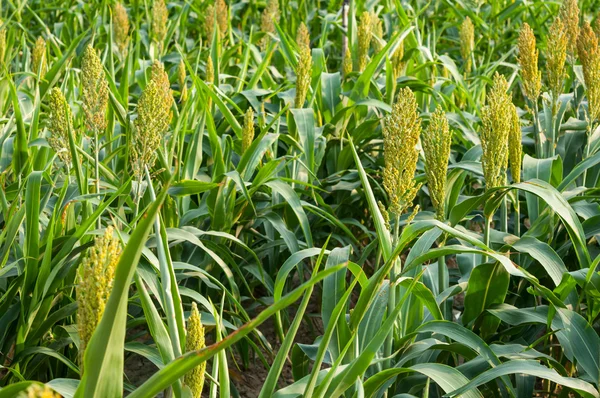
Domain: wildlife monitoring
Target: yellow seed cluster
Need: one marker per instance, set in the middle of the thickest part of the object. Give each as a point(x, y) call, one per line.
point(303, 71)
point(377, 32)
point(556, 57)
point(95, 278)
point(436, 140)
point(248, 130)
point(181, 75)
point(347, 63)
point(497, 123)
point(60, 123)
point(160, 16)
point(38, 57)
point(121, 27)
point(385, 214)
point(38, 391)
point(194, 341)
point(401, 130)
point(515, 150)
point(364, 39)
point(154, 118)
point(303, 36)
point(467, 42)
point(2, 42)
point(216, 14)
point(94, 91)
point(589, 55)
point(528, 60)
point(268, 18)
point(397, 60)
point(569, 15)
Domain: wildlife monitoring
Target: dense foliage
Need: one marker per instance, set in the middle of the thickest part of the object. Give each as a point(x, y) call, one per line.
point(381, 198)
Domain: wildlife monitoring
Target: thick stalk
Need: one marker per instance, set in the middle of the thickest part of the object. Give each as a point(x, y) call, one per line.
point(97, 171)
point(504, 215)
point(486, 232)
point(443, 278)
point(388, 346)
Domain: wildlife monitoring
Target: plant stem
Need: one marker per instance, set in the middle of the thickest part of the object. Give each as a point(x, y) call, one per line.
point(388, 346)
point(97, 172)
point(486, 232)
point(442, 278)
point(504, 214)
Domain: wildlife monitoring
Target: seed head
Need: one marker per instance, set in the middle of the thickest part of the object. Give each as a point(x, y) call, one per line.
point(556, 57)
point(181, 77)
point(248, 131)
point(121, 27)
point(2, 43)
point(210, 70)
point(194, 341)
point(60, 123)
point(515, 150)
point(377, 32)
point(216, 14)
point(154, 117)
point(397, 61)
point(497, 123)
point(303, 76)
point(589, 55)
point(528, 59)
point(436, 140)
point(385, 214)
point(268, 18)
point(569, 15)
point(467, 42)
point(364, 39)
point(222, 16)
point(38, 57)
point(303, 36)
point(95, 278)
point(95, 90)
point(160, 16)
point(401, 130)
point(347, 63)
point(38, 391)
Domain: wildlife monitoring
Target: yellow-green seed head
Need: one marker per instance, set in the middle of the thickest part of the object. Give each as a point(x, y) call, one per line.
point(121, 27)
point(2, 43)
point(401, 130)
point(569, 15)
point(515, 150)
point(94, 90)
point(38, 391)
point(39, 60)
point(531, 77)
point(181, 75)
point(397, 60)
point(303, 76)
point(364, 39)
point(467, 42)
point(160, 16)
point(194, 341)
point(222, 16)
point(385, 214)
point(377, 32)
point(347, 63)
point(248, 130)
point(209, 22)
point(303, 36)
point(60, 122)
point(210, 71)
point(95, 278)
point(153, 120)
point(497, 122)
point(556, 57)
point(589, 55)
point(436, 141)
point(268, 18)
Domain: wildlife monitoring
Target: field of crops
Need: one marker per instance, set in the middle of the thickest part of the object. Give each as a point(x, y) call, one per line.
point(299, 198)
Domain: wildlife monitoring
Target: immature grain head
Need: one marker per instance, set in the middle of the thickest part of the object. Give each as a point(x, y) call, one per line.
point(2, 42)
point(436, 141)
point(556, 57)
point(181, 75)
point(497, 122)
point(569, 15)
point(194, 341)
point(397, 60)
point(589, 55)
point(121, 27)
point(401, 130)
point(94, 90)
point(209, 22)
point(268, 18)
point(39, 60)
point(222, 13)
point(365, 27)
point(467, 42)
point(60, 123)
point(515, 149)
point(160, 16)
point(303, 76)
point(154, 117)
point(528, 60)
point(303, 36)
point(347, 63)
point(377, 32)
point(248, 130)
point(38, 391)
point(95, 278)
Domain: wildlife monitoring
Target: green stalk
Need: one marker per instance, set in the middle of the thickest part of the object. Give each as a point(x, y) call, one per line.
point(443, 282)
point(504, 214)
point(97, 171)
point(388, 345)
point(486, 232)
